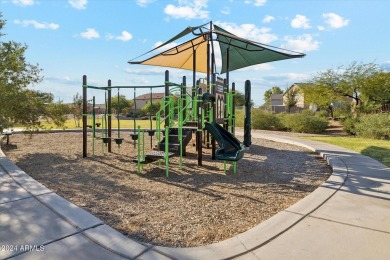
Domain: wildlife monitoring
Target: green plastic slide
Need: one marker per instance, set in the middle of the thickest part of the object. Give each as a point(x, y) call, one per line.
point(231, 148)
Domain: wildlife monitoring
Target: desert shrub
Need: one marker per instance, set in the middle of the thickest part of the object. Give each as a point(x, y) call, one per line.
point(305, 122)
point(239, 114)
point(265, 120)
point(322, 114)
point(349, 125)
point(375, 126)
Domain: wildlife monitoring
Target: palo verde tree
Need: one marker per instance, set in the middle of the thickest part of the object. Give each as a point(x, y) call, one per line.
point(349, 81)
point(18, 104)
point(321, 96)
point(377, 90)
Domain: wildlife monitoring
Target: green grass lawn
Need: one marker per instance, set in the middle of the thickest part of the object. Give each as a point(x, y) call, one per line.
point(377, 149)
point(70, 124)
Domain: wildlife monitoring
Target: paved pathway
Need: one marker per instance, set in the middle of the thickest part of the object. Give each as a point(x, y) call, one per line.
point(348, 217)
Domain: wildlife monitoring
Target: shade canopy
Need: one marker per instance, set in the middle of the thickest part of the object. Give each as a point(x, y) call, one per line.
point(182, 56)
point(242, 52)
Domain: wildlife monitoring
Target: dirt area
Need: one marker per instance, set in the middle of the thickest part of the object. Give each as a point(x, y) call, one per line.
point(335, 128)
point(196, 205)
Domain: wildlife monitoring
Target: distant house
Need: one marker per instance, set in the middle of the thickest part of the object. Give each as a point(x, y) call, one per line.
point(141, 100)
point(99, 108)
point(277, 105)
point(300, 97)
point(279, 101)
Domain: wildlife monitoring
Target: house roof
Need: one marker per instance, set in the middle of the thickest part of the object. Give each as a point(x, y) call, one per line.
point(298, 85)
point(147, 96)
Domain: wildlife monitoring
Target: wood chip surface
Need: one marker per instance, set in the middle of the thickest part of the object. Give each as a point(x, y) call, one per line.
point(195, 205)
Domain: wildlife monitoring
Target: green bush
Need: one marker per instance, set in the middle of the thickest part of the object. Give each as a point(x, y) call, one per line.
point(375, 126)
point(322, 114)
point(304, 122)
point(265, 120)
point(349, 125)
point(239, 114)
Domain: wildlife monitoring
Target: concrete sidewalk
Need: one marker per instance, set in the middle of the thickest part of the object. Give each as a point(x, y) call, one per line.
point(348, 217)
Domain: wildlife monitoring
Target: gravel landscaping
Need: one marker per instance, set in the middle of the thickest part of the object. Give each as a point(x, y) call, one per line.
point(196, 205)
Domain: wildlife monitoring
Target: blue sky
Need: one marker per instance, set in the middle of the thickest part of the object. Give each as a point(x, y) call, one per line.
point(98, 37)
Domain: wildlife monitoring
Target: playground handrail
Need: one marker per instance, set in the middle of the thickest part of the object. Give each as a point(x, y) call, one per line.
point(159, 120)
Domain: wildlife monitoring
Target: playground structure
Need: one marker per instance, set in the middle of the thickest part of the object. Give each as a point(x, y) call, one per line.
point(200, 111)
point(210, 102)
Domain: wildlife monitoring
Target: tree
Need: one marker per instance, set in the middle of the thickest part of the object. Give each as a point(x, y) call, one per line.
point(18, 103)
point(56, 113)
point(154, 106)
point(291, 98)
point(347, 81)
point(77, 109)
point(269, 92)
point(377, 89)
point(124, 104)
point(322, 96)
point(239, 99)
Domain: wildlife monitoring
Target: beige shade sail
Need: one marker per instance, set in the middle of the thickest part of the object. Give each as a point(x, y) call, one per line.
point(182, 56)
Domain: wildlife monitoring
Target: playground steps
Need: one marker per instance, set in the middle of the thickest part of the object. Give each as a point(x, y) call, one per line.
point(174, 142)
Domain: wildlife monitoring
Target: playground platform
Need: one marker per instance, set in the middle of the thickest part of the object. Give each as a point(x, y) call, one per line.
point(347, 217)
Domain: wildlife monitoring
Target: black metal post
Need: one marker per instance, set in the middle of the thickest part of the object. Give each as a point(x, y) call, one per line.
point(247, 118)
point(199, 130)
point(214, 92)
point(166, 111)
point(150, 108)
point(183, 96)
point(109, 115)
point(232, 127)
point(193, 76)
point(85, 116)
point(227, 86)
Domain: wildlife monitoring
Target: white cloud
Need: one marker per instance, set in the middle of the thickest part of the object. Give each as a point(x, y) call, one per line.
point(301, 43)
point(166, 47)
point(78, 4)
point(62, 80)
point(144, 3)
point(256, 2)
point(37, 25)
point(288, 77)
point(23, 2)
point(321, 28)
point(225, 10)
point(90, 33)
point(125, 36)
point(259, 67)
point(268, 19)
point(300, 21)
point(145, 71)
point(386, 66)
point(188, 10)
point(335, 21)
point(250, 31)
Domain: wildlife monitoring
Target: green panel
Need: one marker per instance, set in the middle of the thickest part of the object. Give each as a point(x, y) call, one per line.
point(244, 53)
